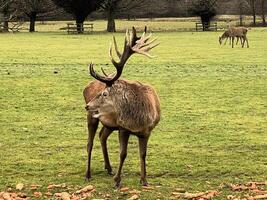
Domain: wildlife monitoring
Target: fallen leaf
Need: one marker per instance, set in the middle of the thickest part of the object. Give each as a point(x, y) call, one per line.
point(134, 197)
point(262, 196)
point(260, 191)
point(230, 197)
point(48, 194)
point(74, 197)
point(238, 187)
point(193, 195)
point(19, 186)
point(178, 194)
point(134, 191)
point(125, 189)
point(6, 196)
point(63, 196)
point(34, 187)
point(53, 186)
point(258, 183)
point(37, 194)
point(85, 189)
point(22, 195)
point(180, 190)
point(148, 187)
point(210, 195)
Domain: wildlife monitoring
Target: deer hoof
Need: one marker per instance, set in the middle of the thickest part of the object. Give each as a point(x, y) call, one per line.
point(109, 170)
point(117, 186)
point(110, 173)
point(144, 182)
point(88, 176)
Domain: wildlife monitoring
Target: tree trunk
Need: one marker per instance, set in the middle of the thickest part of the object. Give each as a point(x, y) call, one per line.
point(253, 11)
point(263, 12)
point(79, 24)
point(205, 23)
point(6, 16)
point(5, 26)
point(241, 14)
point(32, 17)
point(111, 22)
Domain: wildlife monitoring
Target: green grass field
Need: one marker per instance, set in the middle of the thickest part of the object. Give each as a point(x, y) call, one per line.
point(213, 129)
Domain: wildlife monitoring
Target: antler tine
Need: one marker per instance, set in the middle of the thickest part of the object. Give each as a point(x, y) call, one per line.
point(116, 47)
point(105, 79)
point(133, 36)
point(103, 71)
point(148, 43)
point(111, 57)
point(108, 75)
point(127, 37)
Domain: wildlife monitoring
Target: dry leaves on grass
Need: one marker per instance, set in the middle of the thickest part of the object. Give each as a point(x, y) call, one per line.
point(147, 188)
point(134, 197)
point(81, 194)
point(12, 196)
point(261, 196)
point(254, 187)
point(247, 197)
point(37, 194)
point(195, 196)
point(34, 187)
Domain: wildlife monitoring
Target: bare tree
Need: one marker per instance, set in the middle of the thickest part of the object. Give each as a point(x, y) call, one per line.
point(34, 9)
point(80, 9)
point(5, 10)
point(205, 9)
point(252, 5)
point(114, 7)
point(243, 7)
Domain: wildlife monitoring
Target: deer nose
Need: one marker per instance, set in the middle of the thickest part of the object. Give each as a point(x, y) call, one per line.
point(86, 107)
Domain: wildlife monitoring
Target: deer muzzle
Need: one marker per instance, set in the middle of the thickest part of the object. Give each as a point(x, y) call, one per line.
point(92, 109)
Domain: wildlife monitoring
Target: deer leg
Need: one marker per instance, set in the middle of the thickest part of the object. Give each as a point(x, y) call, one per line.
point(233, 40)
point(142, 150)
point(237, 39)
point(103, 136)
point(225, 41)
point(123, 138)
point(246, 39)
point(243, 41)
point(92, 124)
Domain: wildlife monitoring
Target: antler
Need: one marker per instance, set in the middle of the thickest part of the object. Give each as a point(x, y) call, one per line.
point(132, 44)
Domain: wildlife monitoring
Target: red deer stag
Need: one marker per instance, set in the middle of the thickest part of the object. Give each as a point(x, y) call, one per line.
point(127, 106)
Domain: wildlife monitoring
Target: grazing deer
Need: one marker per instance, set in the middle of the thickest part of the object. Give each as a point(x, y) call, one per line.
point(226, 35)
point(127, 106)
point(239, 32)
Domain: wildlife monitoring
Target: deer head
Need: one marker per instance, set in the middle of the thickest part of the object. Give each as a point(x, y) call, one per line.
point(104, 103)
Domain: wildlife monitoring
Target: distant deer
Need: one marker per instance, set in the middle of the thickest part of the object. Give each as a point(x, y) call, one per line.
point(239, 32)
point(225, 37)
point(127, 106)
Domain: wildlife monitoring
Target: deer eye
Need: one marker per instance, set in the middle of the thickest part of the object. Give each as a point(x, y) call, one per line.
point(104, 94)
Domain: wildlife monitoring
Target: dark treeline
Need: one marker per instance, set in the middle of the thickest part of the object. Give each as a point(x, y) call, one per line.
point(80, 10)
